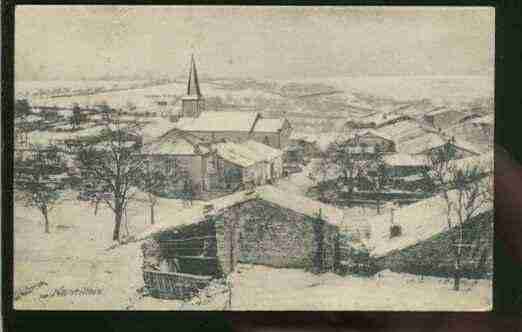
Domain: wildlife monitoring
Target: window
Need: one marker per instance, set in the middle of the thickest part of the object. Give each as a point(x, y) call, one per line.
point(170, 166)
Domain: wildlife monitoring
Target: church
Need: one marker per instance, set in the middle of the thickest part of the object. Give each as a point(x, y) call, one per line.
point(234, 126)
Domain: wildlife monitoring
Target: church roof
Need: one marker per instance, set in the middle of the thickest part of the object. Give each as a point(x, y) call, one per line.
point(269, 125)
point(193, 82)
point(220, 121)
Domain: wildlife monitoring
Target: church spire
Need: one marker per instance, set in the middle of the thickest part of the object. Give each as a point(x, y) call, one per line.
point(193, 82)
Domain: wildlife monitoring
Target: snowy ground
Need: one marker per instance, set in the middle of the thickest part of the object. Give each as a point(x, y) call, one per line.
point(79, 273)
point(257, 287)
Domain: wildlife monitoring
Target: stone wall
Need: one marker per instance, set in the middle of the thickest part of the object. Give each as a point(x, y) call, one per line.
point(259, 232)
point(227, 236)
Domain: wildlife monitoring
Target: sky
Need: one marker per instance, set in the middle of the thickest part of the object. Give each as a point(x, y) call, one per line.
point(90, 42)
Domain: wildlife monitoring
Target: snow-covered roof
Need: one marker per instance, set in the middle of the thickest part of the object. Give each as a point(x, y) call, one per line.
point(375, 133)
point(418, 222)
point(403, 159)
point(176, 142)
point(220, 121)
point(382, 118)
point(402, 130)
point(196, 213)
point(238, 154)
point(421, 144)
point(269, 125)
point(267, 152)
point(441, 110)
point(156, 128)
point(48, 137)
point(299, 204)
point(247, 153)
point(487, 119)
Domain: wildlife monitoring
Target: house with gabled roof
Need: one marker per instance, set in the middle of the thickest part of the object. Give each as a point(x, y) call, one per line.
point(186, 158)
point(433, 143)
point(373, 138)
point(263, 226)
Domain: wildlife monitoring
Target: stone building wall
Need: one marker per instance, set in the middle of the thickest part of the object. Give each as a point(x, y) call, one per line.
point(259, 232)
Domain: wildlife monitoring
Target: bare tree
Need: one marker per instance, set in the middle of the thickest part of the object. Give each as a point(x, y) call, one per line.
point(444, 176)
point(111, 159)
point(152, 179)
point(471, 198)
point(344, 157)
point(40, 178)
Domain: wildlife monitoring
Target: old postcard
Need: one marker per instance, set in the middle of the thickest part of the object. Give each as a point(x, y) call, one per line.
point(253, 158)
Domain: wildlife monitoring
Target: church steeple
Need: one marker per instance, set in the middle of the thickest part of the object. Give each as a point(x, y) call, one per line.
point(193, 103)
point(193, 82)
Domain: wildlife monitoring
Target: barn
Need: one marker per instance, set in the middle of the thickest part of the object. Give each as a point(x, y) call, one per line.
point(248, 164)
point(257, 227)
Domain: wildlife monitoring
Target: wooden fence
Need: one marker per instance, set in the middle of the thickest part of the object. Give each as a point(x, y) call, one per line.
point(170, 285)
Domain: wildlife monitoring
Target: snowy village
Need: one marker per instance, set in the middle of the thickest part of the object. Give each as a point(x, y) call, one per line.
point(205, 193)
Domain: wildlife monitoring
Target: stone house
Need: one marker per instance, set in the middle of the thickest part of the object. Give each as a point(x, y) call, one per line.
point(257, 227)
point(372, 138)
point(248, 164)
point(184, 157)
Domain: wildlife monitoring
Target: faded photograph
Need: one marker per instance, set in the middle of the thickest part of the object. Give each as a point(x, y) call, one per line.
point(253, 158)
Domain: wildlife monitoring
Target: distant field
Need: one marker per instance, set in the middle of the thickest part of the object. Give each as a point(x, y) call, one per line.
point(312, 105)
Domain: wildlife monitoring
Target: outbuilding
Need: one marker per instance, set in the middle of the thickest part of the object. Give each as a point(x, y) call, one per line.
point(264, 226)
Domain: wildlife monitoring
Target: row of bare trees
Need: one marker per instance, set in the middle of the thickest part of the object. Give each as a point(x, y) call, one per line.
point(109, 161)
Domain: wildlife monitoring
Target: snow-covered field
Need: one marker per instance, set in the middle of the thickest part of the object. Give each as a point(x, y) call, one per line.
point(312, 105)
point(80, 273)
point(71, 268)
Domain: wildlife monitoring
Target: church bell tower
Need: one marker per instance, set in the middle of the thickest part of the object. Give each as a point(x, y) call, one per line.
point(193, 103)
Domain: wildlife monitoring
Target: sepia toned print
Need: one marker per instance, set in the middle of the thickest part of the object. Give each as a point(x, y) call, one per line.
point(253, 158)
